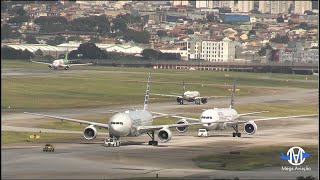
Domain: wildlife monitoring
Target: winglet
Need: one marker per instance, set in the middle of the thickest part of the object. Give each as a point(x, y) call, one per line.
point(146, 98)
point(233, 94)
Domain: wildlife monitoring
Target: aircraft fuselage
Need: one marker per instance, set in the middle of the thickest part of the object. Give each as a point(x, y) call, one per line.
point(125, 124)
point(190, 96)
point(216, 115)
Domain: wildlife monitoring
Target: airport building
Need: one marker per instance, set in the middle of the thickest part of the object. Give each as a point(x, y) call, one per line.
point(55, 51)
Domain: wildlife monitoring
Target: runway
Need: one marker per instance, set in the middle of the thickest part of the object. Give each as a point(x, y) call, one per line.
point(76, 158)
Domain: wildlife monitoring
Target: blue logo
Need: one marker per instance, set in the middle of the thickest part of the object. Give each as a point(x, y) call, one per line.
point(295, 156)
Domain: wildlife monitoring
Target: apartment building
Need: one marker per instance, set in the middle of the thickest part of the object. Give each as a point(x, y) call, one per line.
point(245, 6)
point(274, 7)
point(179, 3)
point(218, 51)
point(301, 6)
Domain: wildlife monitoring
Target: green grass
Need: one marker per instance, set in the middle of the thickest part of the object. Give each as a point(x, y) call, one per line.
point(104, 89)
point(251, 159)
point(9, 137)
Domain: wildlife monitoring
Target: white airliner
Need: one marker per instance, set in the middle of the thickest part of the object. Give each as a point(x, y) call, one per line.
point(315, 74)
point(128, 123)
point(64, 63)
point(190, 96)
point(223, 118)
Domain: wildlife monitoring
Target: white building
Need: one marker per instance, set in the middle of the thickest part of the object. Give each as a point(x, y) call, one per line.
point(274, 7)
point(179, 3)
point(301, 6)
point(218, 51)
point(204, 4)
point(245, 6)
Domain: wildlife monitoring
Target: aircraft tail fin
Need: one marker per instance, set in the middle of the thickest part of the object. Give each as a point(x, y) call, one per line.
point(233, 94)
point(183, 87)
point(66, 57)
point(146, 98)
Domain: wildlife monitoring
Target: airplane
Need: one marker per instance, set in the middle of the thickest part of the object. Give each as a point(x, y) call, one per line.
point(129, 123)
point(65, 63)
point(315, 74)
point(190, 96)
point(223, 118)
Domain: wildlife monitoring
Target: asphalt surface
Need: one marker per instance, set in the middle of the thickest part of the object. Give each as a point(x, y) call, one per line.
point(80, 159)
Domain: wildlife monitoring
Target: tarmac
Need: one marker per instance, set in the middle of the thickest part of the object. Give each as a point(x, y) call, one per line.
point(76, 158)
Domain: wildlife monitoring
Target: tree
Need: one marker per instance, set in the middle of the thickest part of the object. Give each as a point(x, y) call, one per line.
point(137, 37)
point(190, 31)
point(50, 24)
point(90, 51)
point(150, 54)
point(280, 19)
point(290, 9)
point(308, 12)
point(252, 33)
point(161, 33)
point(75, 38)
point(212, 18)
point(10, 53)
point(8, 33)
point(280, 39)
point(19, 19)
point(263, 50)
point(30, 39)
point(303, 25)
point(38, 53)
point(255, 11)
point(120, 24)
point(99, 24)
point(57, 40)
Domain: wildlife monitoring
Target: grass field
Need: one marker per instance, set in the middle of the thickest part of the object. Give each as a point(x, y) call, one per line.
point(128, 87)
point(253, 158)
point(9, 137)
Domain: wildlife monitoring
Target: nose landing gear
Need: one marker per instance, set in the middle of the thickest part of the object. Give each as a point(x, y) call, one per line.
point(112, 141)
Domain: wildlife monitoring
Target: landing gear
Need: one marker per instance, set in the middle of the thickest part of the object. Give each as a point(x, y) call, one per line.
point(235, 134)
point(66, 68)
point(152, 142)
point(181, 102)
point(197, 101)
point(112, 141)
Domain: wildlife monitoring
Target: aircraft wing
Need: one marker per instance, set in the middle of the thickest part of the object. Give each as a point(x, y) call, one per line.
point(169, 95)
point(40, 62)
point(81, 64)
point(258, 112)
point(207, 97)
point(268, 119)
point(72, 120)
point(163, 115)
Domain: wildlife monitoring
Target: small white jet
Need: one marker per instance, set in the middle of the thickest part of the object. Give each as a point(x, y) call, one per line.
point(190, 96)
point(223, 118)
point(128, 123)
point(64, 63)
point(315, 74)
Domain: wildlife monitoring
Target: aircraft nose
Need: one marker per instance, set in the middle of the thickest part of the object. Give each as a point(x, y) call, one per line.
point(120, 124)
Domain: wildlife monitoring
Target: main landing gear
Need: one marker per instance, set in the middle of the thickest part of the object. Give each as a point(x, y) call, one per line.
point(235, 134)
point(181, 102)
point(197, 101)
point(152, 142)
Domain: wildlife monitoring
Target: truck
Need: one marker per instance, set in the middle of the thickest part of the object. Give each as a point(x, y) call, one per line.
point(202, 132)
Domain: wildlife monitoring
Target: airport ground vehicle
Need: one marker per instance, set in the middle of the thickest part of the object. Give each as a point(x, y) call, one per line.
point(112, 142)
point(202, 132)
point(48, 147)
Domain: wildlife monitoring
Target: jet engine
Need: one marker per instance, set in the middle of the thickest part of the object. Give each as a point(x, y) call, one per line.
point(204, 100)
point(250, 127)
point(164, 135)
point(179, 100)
point(182, 129)
point(90, 132)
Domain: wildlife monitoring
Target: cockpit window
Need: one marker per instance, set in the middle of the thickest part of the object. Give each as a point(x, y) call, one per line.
point(117, 123)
